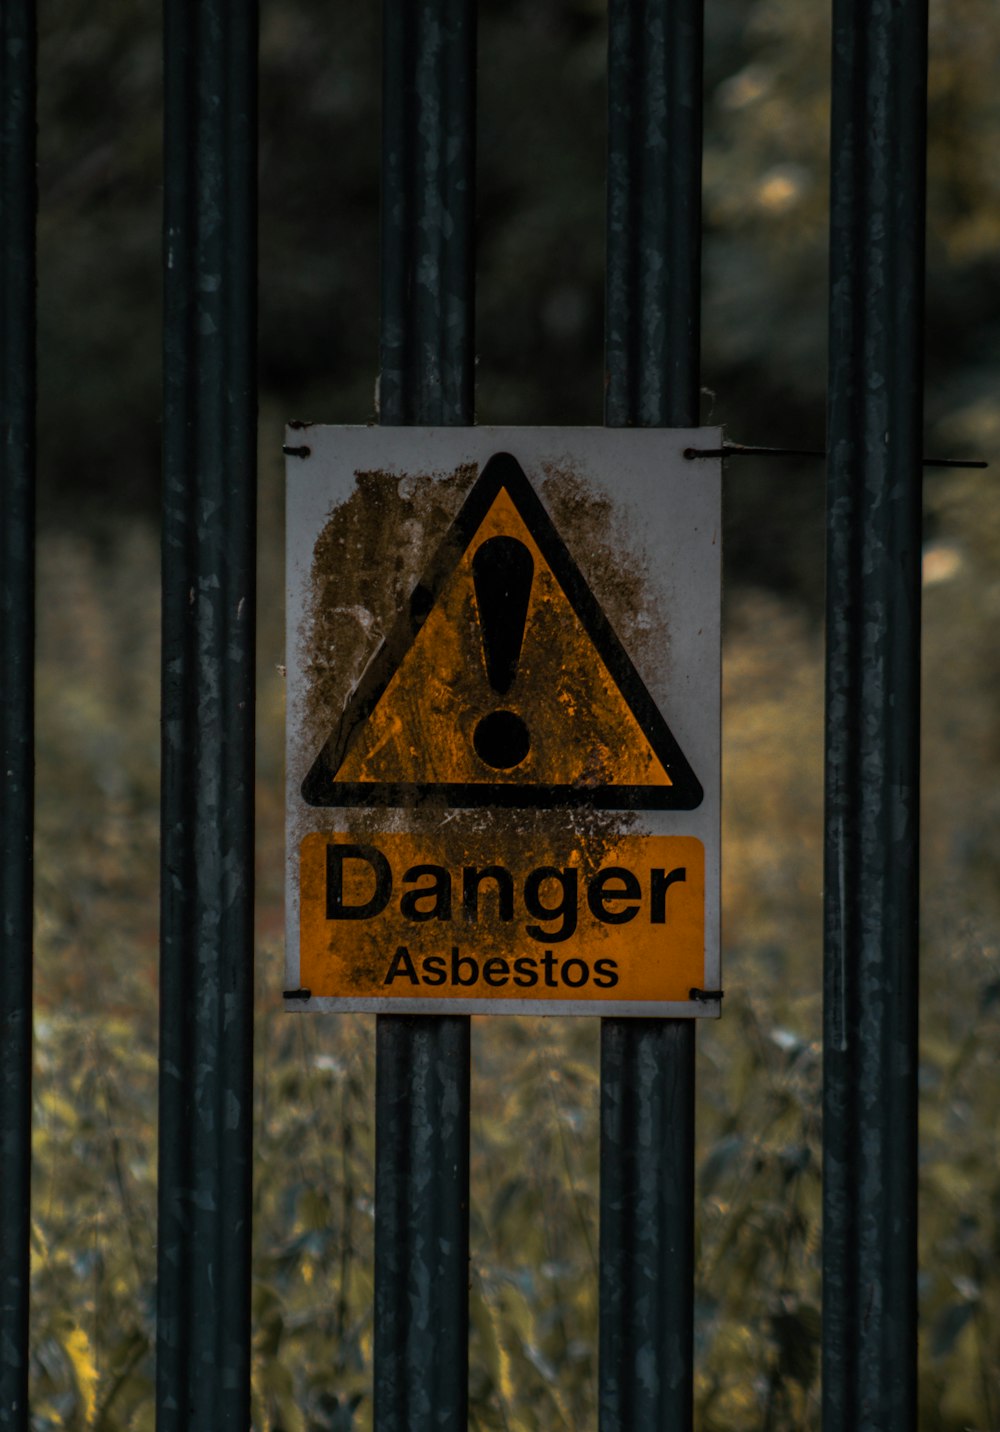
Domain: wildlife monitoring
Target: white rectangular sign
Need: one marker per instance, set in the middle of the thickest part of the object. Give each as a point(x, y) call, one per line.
point(503, 744)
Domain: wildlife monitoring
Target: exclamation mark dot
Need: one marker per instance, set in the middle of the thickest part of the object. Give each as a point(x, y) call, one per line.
point(502, 573)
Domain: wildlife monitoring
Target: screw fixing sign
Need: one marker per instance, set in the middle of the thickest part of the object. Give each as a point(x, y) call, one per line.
point(503, 653)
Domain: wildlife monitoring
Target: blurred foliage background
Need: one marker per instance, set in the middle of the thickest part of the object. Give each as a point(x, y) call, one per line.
point(534, 1195)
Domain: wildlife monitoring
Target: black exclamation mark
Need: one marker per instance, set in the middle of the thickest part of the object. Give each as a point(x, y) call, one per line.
point(502, 573)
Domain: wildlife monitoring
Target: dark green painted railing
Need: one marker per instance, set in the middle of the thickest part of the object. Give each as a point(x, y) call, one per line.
point(17, 644)
point(427, 377)
point(209, 540)
point(873, 705)
point(652, 356)
point(652, 352)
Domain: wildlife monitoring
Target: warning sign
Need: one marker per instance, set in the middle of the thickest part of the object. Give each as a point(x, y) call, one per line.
point(502, 683)
point(381, 918)
point(503, 733)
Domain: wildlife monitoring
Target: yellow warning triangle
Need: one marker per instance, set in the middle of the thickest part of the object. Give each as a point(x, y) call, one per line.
point(503, 684)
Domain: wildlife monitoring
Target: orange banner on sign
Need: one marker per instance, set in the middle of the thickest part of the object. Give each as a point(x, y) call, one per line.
point(444, 917)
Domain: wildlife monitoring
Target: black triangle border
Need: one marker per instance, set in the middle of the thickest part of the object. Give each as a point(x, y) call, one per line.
point(320, 788)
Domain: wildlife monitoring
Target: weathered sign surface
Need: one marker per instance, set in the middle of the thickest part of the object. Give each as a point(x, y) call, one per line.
point(503, 720)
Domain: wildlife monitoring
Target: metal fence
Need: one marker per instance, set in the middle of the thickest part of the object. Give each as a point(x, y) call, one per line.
point(652, 359)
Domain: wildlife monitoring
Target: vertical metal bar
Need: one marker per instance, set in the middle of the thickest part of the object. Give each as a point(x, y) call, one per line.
point(653, 318)
point(17, 651)
point(653, 359)
point(872, 734)
point(206, 975)
point(647, 1224)
point(428, 212)
point(427, 376)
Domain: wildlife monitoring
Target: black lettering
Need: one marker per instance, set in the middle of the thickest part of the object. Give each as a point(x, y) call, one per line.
point(659, 884)
point(402, 964)
point(548, 961)
point(525, 971)
point(458, 963)
point(566, 909)
point(606, 973)
point(602, 893)
point(336, 856)
point(439, 891)
point(577, 980)
point(496, 971)
point(471, 881)
point(435, 971)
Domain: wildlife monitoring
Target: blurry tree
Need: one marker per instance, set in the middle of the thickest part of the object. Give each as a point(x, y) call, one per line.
point(541, 154)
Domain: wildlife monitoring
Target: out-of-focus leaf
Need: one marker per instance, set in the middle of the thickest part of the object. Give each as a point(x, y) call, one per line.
point(720, 1160)
point(949, 1326)
point(77, 1347)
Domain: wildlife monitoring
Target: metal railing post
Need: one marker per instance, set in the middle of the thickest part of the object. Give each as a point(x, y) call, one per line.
point(17, 679)
point(209, 495)
point(652, 358)
point(873, 696)
point(427, 376)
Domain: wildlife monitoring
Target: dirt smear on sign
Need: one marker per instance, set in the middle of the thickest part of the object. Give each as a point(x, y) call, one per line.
point(366, 562)
point(530, 837)
point(616, 570)
point(371, 553)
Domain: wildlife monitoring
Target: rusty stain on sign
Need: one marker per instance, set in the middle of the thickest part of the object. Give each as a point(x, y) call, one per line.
point(365, 562)
point(487, 805)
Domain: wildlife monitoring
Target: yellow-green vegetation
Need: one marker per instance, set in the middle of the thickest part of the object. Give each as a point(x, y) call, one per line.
point(535, 1151)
